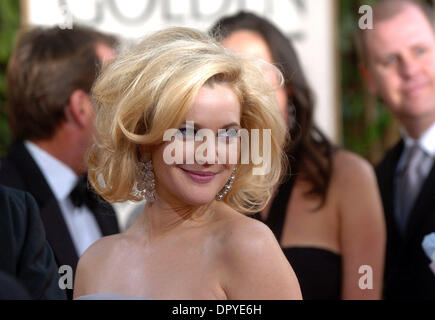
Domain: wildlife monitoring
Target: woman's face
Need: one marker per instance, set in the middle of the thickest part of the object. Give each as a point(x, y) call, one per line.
point(215, 107)
point(252, 43)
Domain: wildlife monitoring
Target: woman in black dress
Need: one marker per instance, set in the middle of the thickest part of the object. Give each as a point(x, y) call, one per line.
point(327, 215)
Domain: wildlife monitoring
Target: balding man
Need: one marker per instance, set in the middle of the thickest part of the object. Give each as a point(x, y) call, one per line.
point(398, 60)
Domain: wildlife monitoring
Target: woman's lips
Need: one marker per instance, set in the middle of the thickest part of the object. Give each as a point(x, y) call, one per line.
point(199, 176)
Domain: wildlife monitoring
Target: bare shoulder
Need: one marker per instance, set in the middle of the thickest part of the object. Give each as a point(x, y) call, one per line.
point(346, 162)
point(243, 239)
point(105, 242)
point(253, 264)
point(355, 185)
point(239, 232)
point(350, 169)
point(93, 262)
point(95, 256)
point(107, 249)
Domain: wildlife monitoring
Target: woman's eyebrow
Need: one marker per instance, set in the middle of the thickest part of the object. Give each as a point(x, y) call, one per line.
point(232, 124)
point(199, 126)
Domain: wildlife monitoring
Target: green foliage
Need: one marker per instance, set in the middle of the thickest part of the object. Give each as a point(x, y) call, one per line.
point(359, 133)
point(9, 24)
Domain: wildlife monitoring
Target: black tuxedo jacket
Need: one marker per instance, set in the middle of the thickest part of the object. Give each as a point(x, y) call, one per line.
point(26, 258)
point(407, 273)
point(20, 171)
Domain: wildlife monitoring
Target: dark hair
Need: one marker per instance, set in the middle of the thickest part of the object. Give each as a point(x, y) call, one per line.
point(309, 149)
point(46, 66)
point(102, 38)
point(385, 10)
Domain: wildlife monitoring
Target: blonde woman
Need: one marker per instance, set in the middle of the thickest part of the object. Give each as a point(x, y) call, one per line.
point(191, 242)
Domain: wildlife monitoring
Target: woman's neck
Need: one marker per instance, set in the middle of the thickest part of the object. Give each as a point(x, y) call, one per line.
point(162, 217)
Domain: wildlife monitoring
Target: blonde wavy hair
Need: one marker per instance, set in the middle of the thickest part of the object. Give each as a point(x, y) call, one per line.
point(151, 87)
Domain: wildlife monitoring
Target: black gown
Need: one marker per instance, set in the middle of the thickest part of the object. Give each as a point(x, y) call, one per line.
point(318, 270)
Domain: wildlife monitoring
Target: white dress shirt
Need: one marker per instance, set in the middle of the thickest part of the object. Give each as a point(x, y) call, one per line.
point(81, 223)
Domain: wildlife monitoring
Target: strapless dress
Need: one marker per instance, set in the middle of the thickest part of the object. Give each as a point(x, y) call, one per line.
point(319, 270)
point(110, 296)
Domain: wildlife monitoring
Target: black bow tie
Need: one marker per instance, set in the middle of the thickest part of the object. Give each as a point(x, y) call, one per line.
point(81, 194)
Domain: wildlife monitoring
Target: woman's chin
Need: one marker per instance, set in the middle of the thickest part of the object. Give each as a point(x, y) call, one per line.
point(198, 195)
point(199, 200)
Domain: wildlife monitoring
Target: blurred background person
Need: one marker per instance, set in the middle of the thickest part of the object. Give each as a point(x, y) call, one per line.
point(27, 266)
point(49, 77)
point(398, 61)
point(327, 215)
point(12, 289)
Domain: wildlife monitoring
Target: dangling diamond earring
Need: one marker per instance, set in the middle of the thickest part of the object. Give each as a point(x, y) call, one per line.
point(145, 185)
point(227, 187)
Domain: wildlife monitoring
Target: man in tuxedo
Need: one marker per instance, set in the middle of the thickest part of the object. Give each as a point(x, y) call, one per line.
point(49, 77)
point(398, 61)
point(27, 266)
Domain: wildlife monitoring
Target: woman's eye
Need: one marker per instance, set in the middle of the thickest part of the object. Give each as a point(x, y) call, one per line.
point(188, 132)
point(230, 133)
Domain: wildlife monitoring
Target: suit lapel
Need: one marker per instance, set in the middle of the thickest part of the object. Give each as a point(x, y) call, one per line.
point(106, 217)
point(386, 175)
point(33, 179)
point(58, 235)
point(56, 230)
point(424, 204)
point(103, 212)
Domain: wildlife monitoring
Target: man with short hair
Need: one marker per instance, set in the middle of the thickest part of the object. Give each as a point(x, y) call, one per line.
point(399, 66)
point(50, 76)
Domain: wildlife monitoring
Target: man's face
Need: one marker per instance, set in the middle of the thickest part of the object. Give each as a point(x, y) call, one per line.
point(401, 62)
